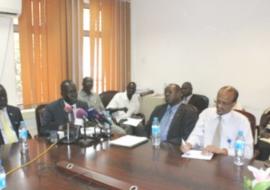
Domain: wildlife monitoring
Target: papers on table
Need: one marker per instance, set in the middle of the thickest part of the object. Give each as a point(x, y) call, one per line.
point(128, 141)
point(197, 154)
point(267, 140)
point(133, 121)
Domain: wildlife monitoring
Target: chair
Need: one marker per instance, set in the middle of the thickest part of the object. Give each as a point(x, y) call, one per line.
point(107, 96)
point(254, 130)
point(252, 121)
point(39, 112)
point(199, 101)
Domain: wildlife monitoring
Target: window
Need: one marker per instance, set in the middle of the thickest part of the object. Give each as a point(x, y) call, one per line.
point(17, 61)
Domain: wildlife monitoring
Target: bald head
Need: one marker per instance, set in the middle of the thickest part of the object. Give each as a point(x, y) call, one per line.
point(87, 85)
point(186, 89)
point(131, 89)
point(226, 99)
point(173, 94)
point(3, 97)
point(69, 91)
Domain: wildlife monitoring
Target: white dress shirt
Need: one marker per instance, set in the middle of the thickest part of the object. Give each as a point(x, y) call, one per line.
point(231, 123)
point(121, 100)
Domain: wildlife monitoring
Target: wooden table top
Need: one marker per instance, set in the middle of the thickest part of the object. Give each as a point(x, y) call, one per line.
point(142, 166)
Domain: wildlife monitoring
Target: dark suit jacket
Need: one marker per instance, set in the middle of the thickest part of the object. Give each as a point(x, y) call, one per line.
point(182, 124)
point(199, 102)
point(55, 115)
point(15, 118)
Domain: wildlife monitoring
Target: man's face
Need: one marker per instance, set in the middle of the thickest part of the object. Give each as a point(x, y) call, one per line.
point(186, 89)
point(69, 93)
point(3, 98)
point(88, 85)
point(225, 102)
point(171, 95)
point(131, 89)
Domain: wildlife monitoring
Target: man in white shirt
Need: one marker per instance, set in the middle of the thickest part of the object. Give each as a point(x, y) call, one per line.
point(218, 127)
point(125, 104)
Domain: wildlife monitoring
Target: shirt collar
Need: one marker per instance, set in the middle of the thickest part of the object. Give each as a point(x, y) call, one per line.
point(174, 107)
point(225, 116)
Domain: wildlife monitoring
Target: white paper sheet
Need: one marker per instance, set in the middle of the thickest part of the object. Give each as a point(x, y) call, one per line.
point(197, 154)
point(267, 140)
point(133, 122)
point(128, 141)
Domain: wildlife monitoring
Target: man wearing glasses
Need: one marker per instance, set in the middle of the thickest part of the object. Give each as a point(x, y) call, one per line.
point(217, 127)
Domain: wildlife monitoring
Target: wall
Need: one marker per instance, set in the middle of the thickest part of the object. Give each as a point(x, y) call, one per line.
point(210, 43)
point(7, 63)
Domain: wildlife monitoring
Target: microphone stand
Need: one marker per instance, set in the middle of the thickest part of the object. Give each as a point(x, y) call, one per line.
point(67, 139)
point(85, 141)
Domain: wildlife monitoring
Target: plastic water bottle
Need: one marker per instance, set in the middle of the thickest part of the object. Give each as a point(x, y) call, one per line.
point(155, 132)
point(2, 176)
point(239, 148)
point(23, 135)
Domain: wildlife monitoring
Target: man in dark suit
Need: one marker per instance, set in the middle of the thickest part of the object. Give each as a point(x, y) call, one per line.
point(199, 101)
point(56, 114)
point(176, 119)
point(10, 118)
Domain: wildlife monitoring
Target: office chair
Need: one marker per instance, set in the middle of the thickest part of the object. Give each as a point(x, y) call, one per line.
point(39, 115)
point(107, 96)
point(254, 129)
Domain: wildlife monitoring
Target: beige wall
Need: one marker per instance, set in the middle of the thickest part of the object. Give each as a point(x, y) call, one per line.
point(210, 43)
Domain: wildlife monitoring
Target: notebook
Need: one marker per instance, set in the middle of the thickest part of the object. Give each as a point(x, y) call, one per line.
point(129, 141)
point(197, 154)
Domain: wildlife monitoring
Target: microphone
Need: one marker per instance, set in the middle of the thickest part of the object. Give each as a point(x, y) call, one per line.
point(68, 109)
point(105, 118)
point(82, 114)
point(93, 114)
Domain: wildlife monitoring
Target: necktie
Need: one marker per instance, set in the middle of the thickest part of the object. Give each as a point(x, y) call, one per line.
point(8, 133)
point(217, 135)
point(165, 124)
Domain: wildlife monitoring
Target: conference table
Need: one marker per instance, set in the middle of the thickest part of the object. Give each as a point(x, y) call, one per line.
point(105, 166)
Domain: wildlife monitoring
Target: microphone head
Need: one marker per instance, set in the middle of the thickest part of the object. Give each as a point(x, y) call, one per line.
point(81, 113)
point(68, 108)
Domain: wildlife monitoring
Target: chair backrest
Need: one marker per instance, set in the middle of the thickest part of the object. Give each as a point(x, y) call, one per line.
point(201, 103)
point(252, 121)
point(39, 112)
point(107, 96)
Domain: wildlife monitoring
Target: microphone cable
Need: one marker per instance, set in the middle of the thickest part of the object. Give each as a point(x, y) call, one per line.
point(31, 161)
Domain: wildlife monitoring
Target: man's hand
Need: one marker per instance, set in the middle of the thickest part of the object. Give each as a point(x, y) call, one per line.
point(214, 149)
point(185, 147)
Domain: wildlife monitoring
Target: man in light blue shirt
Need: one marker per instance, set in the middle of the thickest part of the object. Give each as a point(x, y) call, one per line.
point(176, 120)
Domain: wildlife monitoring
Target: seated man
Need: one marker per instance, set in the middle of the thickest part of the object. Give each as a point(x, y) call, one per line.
point(124, 105)
point(193, 99)
point(217, 127)
point(55, 115)
point(176, 119)
point(86, 95)
point(10, 118)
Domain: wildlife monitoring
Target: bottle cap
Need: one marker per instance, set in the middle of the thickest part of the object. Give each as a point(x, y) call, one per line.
point(240, 133)
point(155, 119)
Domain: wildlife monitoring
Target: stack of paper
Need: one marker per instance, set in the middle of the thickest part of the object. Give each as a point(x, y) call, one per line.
point(267, 140)
point(197, 154)
point(133, 121)
point(128, 141)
